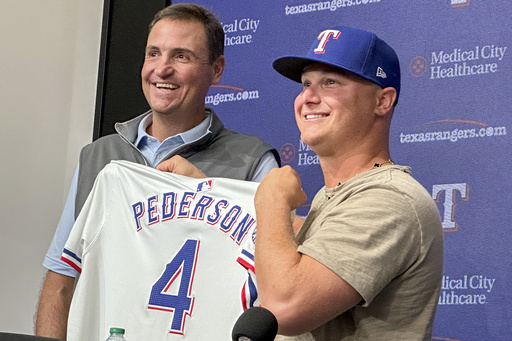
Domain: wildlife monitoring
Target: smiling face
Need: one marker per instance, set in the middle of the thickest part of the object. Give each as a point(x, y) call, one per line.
point(335, 110)
point(177, 74)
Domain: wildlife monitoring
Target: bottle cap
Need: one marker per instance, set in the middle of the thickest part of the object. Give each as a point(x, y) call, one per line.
point(116, 331)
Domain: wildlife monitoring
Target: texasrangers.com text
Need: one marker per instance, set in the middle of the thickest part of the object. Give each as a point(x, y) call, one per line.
point(232, 97)
point(453, 135)
point(332, 5)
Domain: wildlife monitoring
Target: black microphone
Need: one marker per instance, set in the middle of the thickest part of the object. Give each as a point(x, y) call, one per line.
point(255, 324)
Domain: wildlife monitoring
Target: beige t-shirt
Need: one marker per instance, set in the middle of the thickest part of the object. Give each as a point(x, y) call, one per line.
point(381, 232)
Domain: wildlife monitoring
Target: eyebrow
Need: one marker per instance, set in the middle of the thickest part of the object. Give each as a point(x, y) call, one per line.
point(184, 49)
point(174, 50)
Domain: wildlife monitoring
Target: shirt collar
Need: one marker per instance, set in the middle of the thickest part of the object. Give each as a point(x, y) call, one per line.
point(188, 136)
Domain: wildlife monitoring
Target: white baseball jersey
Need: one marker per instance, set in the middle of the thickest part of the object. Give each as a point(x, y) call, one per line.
point(162, 255)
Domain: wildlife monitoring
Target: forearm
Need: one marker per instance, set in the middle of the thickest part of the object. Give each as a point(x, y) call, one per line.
point(53, 307)
point(276, 251)
point(277, 265)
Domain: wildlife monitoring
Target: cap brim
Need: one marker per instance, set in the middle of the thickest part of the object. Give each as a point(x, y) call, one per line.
point(291, 66)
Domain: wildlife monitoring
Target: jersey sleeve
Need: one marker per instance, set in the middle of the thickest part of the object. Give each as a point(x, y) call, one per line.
point(90, 220)
point(249, 292)
point(246, 256)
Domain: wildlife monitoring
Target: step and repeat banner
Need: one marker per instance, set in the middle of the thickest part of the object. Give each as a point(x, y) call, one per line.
point(452, 124)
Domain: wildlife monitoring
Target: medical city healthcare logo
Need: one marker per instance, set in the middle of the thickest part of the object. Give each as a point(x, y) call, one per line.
point(418, 66)
point(287, 153)
point(240, 31)
point(477, 60)
point(301, 154)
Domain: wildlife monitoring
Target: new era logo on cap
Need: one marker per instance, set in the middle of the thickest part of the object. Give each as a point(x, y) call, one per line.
point(381, 73)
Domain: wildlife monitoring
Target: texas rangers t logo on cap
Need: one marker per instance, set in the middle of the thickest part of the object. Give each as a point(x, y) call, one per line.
point(324, 38)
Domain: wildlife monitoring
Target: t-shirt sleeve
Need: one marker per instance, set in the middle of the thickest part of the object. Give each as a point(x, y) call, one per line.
point(367, 238)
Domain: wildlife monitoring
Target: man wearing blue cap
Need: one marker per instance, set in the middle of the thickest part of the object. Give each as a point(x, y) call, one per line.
point(367, 262)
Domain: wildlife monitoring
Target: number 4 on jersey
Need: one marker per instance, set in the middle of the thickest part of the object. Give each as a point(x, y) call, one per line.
point(184, 264)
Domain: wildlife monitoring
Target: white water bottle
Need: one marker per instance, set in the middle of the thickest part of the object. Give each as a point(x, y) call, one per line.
point(116, 334)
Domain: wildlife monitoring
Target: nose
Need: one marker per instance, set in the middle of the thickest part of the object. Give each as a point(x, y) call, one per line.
point(310, 95)
point(164, 68)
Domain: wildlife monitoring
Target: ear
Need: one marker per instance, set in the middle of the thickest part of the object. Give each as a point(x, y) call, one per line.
point(218, 69)
point(385, 101)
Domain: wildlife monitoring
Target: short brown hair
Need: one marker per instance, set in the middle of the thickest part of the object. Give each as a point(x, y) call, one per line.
point(192, 12)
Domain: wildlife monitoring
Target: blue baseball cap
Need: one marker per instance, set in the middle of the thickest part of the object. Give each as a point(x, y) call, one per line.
point(360, 52)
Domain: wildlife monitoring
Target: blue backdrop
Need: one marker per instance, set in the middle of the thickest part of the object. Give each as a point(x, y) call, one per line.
point(451, 124)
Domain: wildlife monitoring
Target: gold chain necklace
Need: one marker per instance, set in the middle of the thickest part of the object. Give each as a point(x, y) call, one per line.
point(377, 165)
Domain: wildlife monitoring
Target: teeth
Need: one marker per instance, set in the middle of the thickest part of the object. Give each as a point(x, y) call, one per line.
point(166, 86)
point(313, 116)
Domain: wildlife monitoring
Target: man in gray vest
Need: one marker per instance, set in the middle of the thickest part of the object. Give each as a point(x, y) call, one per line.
point(183, 57)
